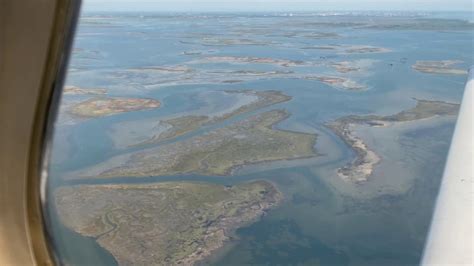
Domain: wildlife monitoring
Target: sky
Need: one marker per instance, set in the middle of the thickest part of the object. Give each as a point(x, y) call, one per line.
point(276, 5)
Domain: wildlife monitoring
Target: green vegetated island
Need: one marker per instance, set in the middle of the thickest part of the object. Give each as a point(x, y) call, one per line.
point(361, 168)
point(105, 106)
point(73, 90)
point(184, 124)
point(218, 152)
point(171, 223)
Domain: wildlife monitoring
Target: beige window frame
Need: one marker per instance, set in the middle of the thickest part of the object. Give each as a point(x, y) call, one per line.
point(35, 40)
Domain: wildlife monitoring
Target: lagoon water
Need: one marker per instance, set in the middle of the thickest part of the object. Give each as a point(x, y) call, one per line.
point(323, 219)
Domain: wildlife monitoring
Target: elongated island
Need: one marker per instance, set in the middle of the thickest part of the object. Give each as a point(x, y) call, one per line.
point(252, 140)
point(362, 167)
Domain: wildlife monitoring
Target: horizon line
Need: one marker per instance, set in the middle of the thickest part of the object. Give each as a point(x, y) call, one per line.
point(281, 11)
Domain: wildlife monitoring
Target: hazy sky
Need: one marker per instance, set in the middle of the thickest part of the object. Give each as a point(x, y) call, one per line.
point(276, 5)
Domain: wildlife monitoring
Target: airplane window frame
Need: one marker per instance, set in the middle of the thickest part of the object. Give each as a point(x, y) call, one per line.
point(36, 39)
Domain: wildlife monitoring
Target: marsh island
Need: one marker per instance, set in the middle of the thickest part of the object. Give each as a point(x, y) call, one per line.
point(184, 124)
point(98, 107)
point(213, 107)
point(338, 82)
point(73, 90)
point(253, 140)
point(171, 223)
point(349, 49)
point(362, 167)
point(439, 67)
